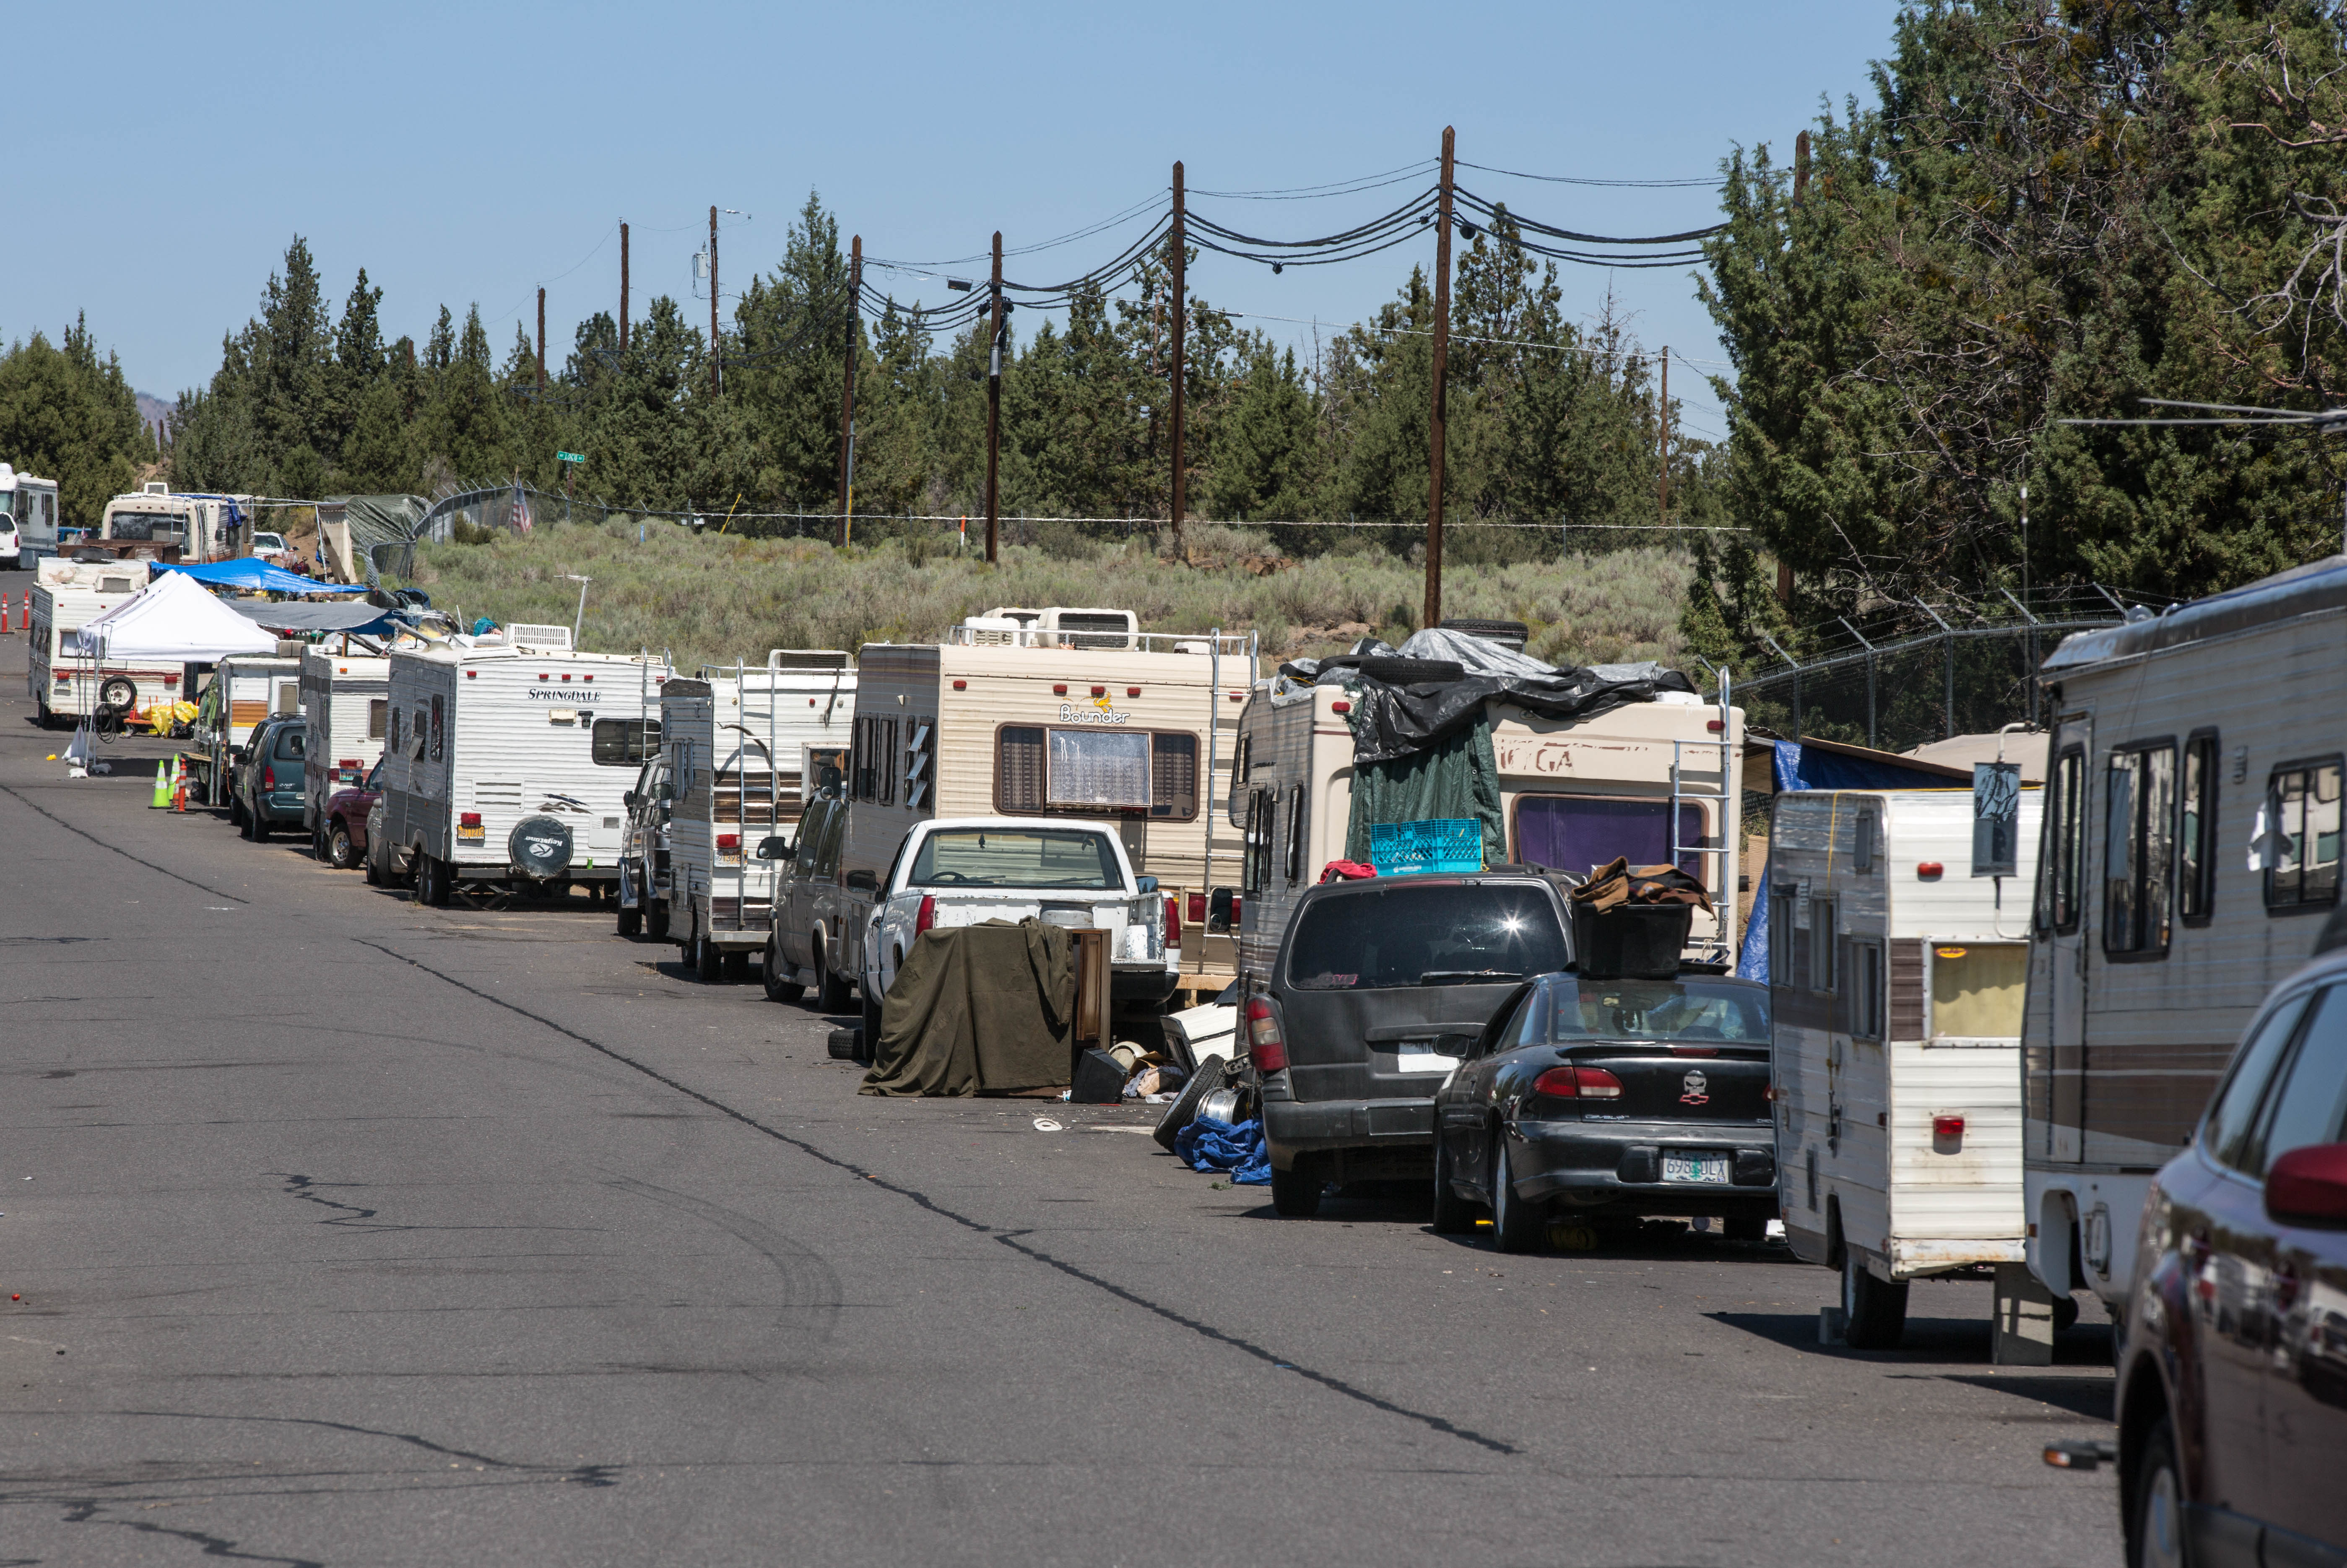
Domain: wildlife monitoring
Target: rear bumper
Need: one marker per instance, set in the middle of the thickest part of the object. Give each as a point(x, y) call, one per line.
point(1579, 1165)
point(1293, 1127)
point(1151, 984)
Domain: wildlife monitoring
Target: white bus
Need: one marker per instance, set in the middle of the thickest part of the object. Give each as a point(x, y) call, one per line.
point(28, 518)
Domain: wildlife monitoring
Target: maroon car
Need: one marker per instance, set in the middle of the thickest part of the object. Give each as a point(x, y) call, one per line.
point(346, 818)
point(2232, 1378)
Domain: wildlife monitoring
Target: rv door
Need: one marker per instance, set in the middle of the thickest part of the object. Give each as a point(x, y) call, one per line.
point(2068, 901)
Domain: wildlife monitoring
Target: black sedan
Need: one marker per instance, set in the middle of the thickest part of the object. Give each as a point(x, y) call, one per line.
point(1599, 1099)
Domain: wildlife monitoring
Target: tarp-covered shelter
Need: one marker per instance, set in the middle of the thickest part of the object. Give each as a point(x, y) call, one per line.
point(353, 525)
point(980, 1010)
point(358, 620)
point(172, 621)
point(257, 575)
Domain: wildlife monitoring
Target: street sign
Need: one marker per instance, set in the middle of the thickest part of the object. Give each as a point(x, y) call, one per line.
point(1996, 818)
point(570, 457)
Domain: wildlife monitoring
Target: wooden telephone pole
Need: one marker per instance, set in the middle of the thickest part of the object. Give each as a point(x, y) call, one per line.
point(1433, 610)
point(848, 393)
point(1180, 262)
point(994, 407)
point(1665, 425)
point(716, 363)
point(623, 288)
point(541, 340)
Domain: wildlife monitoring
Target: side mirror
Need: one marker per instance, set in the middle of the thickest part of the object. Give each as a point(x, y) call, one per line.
point(2309, 1186)
point(667, 790)
point(632, 800)
point(1146, 884)
point(775, 847)
point(864, 881)
point(1221, 908)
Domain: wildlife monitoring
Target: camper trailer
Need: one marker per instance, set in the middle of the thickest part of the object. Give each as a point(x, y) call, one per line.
point(28, 518)
point(156, 524)
point(1895, 992)
point(1059, 713)
point(346, 699)
point(2192, 852)
point(66, 685)
point(742, 747)
point(243, 691)
point(508, 761)
point(1651, 781)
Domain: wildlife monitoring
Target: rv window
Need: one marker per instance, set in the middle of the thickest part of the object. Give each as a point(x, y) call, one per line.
point(624, 742)
point(1295, 834)
point(1866, 990)
point(1862, 855)
point(1579, 833)
point(289, 697)
point(378, 716)
point(1251, 876)
point(439, 735)
point(884, 763)
point(2138, 850)
point(1018, 769)
point(1977, 989)
point(1173, 777)
point(415, 730)
point(1781, 938)
point(1821, 945)
point(391, 739)
point(2302, 809)
point(2061, 869)
point(2196, 885)
point(1097, 768)
point(2232, 1114)
point(1238, 804)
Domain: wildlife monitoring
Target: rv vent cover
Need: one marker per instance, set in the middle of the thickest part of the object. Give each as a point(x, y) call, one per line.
point(530, 636)
point(1092, 627)
point(158, 487)
point(805, 659)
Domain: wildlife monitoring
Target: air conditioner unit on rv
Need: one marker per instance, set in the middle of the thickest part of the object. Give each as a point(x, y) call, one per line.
point(991, 631)
point(157, 488)
point(525, 634)
point(1089, 628)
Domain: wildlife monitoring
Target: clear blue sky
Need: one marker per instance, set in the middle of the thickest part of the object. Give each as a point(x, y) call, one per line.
point(158, 158)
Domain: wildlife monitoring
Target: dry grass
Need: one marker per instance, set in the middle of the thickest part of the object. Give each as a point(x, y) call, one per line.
point(711, 598)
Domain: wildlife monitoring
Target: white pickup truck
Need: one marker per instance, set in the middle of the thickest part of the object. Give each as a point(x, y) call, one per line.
point(963, 871)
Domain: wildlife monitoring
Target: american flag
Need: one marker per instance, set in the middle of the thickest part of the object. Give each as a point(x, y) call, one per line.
point(518, 516)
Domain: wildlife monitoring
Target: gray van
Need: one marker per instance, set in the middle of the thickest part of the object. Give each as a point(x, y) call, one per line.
point(1378, 990)
point(818, 914)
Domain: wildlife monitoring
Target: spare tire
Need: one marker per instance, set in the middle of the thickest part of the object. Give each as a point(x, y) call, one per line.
point(539, 846)
point(118, 692)
point(1508, 633)
point(1396, 670)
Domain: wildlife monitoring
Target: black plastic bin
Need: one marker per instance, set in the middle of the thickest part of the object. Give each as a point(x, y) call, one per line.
point(1631, 941)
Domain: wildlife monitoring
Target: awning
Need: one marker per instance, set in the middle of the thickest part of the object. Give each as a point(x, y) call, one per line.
point(172, 621)
point(256, 575)
point(359, 619)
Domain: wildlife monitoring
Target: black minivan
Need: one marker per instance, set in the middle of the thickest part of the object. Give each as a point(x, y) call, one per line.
point(1379, 989)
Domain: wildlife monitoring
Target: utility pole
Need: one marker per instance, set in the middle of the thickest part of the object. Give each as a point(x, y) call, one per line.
point(541, 340)
point(847, 396)
point(623, 288)
point(1433, 616)
point(1181, 266)
point(994, 408)
point(1665, 425)
point(716, 366)
point(1800, 167)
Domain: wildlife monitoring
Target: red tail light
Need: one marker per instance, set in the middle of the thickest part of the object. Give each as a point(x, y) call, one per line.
point(1237, 909)
point(927, 915)
point(268, 778)
point(1269, 1050)
point(1197, 908)
point(469, 819)
point(1174, 920)
point(729, 844)
point(1947, 1126)
point(1578, 1083)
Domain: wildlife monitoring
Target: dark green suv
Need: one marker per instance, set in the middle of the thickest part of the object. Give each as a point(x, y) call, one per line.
point(268, 785)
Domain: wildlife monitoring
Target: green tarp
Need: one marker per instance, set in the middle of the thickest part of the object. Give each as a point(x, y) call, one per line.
point(1457, 776)
point(980, 1010)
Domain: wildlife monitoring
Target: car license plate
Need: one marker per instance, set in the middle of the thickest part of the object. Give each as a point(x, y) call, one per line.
point(1710, 1169)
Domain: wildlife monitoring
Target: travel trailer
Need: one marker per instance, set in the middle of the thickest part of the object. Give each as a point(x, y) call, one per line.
point(508, 761)
point(2190, 854)
point(65, 685)
point(1060, 713)
point(742, 747)
point(28, 518)
point(1895, 992)
point(346, 699)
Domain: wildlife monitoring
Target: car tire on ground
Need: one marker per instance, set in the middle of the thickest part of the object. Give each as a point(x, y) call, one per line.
point(830, 990)
point(1516, 1225)
point(735, 963)
point(1453, 1216)
point(871, 1038)
point(1297, 1193)
point(631, 921)
point(1874, 1313)
point(774, 975)
point(341, 853)
point(374, 876)
point(434, 881)
point(656, 919)
point(2154, 1515)
point(705, 960)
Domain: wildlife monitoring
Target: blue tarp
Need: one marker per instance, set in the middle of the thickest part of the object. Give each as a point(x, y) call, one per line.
point(1206, 1144)
point(260, 575)
point(1798, 767)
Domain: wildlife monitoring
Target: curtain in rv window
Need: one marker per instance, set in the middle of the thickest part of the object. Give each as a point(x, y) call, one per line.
point(1097, 768)
point(1173, 777)
point(2302, 805)
point(1037, 768)
point(1579, 834)
point(2138, 849)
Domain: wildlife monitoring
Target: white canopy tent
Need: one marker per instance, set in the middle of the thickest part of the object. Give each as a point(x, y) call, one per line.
point(173, 620)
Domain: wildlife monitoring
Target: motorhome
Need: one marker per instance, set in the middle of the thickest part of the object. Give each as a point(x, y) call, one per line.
point(742, 747)
point(346, 699)
point(65, 685)
point(242, 691)
point(1061, 713)
point(508, 760)
point(1653, 781)
point(2192, 852)
point(167, 526)
point(1895, 994)
point(28, 518)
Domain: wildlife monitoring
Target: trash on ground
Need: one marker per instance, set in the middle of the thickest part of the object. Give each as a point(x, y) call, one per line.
point(1210, 1146)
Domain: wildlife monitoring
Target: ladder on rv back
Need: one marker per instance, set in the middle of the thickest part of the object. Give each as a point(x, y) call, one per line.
point(1722, 896)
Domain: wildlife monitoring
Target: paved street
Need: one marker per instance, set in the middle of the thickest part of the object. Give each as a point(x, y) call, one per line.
point(342, 1231)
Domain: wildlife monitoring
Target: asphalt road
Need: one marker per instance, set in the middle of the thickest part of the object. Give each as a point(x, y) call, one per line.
point(341, 1231)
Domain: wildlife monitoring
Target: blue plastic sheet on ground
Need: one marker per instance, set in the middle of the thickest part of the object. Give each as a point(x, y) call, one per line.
point(1207, 1145)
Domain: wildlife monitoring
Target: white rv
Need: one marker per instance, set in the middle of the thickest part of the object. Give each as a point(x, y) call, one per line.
point(2191, 851)
point(347, 700)
point(64, 684)
point(155, 521)
point(508, 761)
point(243, 692)
point(741, 747)
point(28, 518)
point(1895, 989)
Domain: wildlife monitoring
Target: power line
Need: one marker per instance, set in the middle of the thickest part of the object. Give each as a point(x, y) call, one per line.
point(1712, 183)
